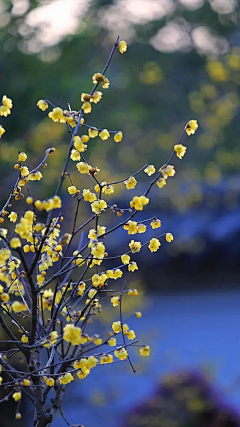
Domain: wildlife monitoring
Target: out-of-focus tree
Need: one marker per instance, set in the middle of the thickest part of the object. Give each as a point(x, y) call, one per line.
point(183, 60)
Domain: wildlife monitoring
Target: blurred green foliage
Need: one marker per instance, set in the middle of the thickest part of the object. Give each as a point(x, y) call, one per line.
point(153, 92)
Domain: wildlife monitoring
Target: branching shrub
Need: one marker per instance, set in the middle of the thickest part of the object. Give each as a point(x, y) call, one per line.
point(51, 292)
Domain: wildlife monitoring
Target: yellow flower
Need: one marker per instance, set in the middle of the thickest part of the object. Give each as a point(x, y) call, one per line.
point(96, 97)
point(25, 171)
point(131, 335)
point(180, 150)
point(116, 327)
point(17, 396)
point(131, 226)
point(83, 373)
point(117, 274)
point(24, 338)
point(91, 362)
point(7, 102)
point(110, 274)
point(97, 280)
point(100, 78)
point(18, 306)
point(107, 358)
point(85, 97)
point(3, 232)
point(75, 156)
point(161, 182)
point(57, 115)
point(109, 189)
point(85, 138)
point(135, 246)
point(92, 133)
point(35, 176)
point(4, 111)
point(132, 266)
point(191, 127)
point(65, 239)
point(81, 288)
point(98, 206)
point(118, 136)
point(88, 196)
point(13, 216)
point(125, 259)
point(169, 237)
point(104, 134)
point(22, 157)
point(5, 297)
point(98, 341)
point(93, 234)
point(121, 354)
point(156, 223)
point(72, 189)
point(83, 167)
point(141, 228)
point(86, 107)
point(57, 202)
point(72, 334)
point(112, 342)
point(43, 105)
point(167, 171)
point(6, 106)
point(105, 83)
point(98, 250)
point(50, 382)
point(97, 78)
point(15, 243)
point(145, 351)
point(66, 379)
point(26, 382)
point(115, 301)
point(139, 202)
point(2, 130)
point(122, 46)
point(154, 244)
point(150, 170)
point(133, 292)
point(130, 183)
point(53, 337)
point(138, 314)
point(82, 364)
point(79, 145)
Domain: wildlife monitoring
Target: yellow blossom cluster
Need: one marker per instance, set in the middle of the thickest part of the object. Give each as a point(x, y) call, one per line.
point(72, 334)
point(100, 78)
point(138, 203)
point(166, 171)
point(5, 108)
point(133, 227)
point(49, 204)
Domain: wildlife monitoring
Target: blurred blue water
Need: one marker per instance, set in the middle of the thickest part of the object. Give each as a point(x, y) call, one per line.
point(185, 331)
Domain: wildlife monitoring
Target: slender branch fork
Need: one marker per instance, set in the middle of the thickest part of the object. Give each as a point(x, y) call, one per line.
point(45, 353)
